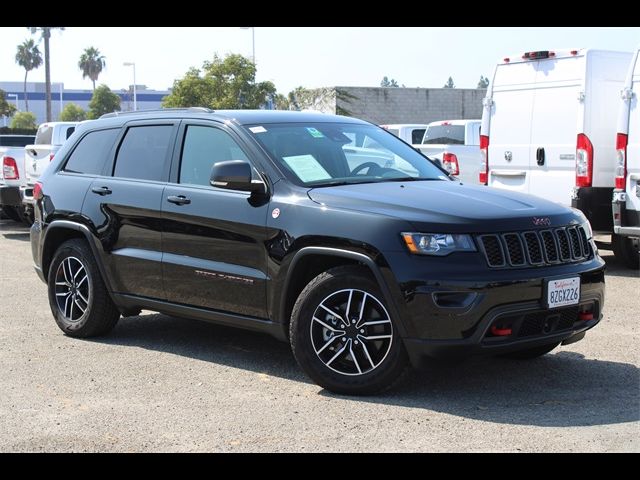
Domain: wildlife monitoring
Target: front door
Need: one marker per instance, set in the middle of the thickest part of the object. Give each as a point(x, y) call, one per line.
point(213, 241)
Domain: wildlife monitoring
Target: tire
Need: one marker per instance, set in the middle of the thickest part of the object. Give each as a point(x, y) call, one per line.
point(25, 216)
point(100, 314)
point(11, 212)
point(530, 352)
point(376, 364)
point(625, 250)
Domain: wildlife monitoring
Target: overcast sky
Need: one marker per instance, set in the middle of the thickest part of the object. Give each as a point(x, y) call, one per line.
point(308, 56)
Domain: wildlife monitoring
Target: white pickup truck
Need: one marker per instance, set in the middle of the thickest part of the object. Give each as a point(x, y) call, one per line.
point(455, 144)
point(49, 139)
point(409, 132)
point(12, 175)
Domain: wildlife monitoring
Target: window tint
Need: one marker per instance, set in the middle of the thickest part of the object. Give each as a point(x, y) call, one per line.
point(204, 146)
point(449, 134)
point(91, 153)
point(43, 136)
point(416, 135)
point(143, 152)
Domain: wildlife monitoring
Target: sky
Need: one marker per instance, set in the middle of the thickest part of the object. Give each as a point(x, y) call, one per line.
point(304, 56)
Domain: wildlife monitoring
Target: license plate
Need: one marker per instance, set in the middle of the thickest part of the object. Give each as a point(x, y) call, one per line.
point(563, 291)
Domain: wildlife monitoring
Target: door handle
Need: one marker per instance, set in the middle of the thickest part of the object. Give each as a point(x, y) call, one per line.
point(178, 199)
point(540, 156)
point(101, 190)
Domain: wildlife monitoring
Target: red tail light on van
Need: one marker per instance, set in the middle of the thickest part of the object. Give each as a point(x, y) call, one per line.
point(10, 168)
point(450, 163)
point(621, 160)
point(584, 161)
point(483, 176)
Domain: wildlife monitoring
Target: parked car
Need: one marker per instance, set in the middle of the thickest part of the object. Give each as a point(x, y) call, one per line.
point(626, 196)
point(548, 128)
point(409, 132)
point(455, 145)
point(13, 174)
point(255, 219)
point(49, 138)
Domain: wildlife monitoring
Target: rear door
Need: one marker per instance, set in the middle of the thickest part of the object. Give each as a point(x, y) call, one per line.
point(510, 126)
point(633, 147)
point(124, 206)
point(554, 125)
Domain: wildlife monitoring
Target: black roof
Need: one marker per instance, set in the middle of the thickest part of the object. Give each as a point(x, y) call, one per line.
point(241, 117)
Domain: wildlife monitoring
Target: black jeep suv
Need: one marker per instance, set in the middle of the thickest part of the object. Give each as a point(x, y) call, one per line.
point(324, 231)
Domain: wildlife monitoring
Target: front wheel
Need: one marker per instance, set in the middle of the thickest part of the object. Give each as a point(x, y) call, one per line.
point(343, 336)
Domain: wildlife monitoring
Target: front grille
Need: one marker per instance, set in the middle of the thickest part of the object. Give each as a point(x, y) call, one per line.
point(536, 248)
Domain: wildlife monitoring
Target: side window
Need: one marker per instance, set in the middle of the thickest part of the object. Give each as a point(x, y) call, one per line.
point(204, 146)
point(91, 153)
point(70, 131)
point(416, 135)
point(143, 152)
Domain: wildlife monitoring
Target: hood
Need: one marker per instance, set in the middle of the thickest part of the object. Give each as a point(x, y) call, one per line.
point(446, 206)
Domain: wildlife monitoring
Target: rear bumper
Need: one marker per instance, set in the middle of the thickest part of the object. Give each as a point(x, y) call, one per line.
point(595, 203)
point(10, 196)
point(27, 195)
point(625, 222)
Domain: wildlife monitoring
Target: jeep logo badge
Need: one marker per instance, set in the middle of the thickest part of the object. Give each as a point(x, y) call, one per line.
point(541, 221)
point(508, 156)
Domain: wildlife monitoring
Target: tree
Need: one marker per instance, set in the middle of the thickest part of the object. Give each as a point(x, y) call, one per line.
point(388, 83)
point(483, 82)
point(6, 109)
point(91, 63)
point(72, 113)
point(103, 101)
point(222, 83)
point(25, 120)
point(28, 57)
point(449, 83)
point(46, 35)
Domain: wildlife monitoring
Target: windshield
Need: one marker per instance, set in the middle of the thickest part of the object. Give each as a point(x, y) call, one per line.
point(449, 134)
point(324, 154)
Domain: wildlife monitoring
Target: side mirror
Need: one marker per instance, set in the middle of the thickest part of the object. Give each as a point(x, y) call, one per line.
point(235, 175)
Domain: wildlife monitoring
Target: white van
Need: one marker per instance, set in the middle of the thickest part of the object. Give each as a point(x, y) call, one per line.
point(626, 196)
point(548, 127)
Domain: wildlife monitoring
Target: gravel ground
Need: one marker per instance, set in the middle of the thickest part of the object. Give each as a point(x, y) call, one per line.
point(159, 383)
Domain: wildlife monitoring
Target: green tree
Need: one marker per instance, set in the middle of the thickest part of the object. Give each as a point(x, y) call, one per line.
point(46, 35)
point(222, 83)
point(72, 113)
point(28, 57)
point(24, 120)
point(449, 83)
point(389, 83)
point(91, 63)
point(483, 82)
point(6, 109)
point(103, 101)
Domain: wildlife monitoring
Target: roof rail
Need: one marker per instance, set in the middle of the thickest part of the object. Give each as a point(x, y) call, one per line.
point(177, 109)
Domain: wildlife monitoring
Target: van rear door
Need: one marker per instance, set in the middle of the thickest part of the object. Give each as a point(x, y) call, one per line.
point(633, 148)
point(510, 126)
point(556, 118)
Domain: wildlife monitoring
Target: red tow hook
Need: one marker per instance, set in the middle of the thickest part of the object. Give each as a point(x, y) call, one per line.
point(500, 332)
point(585, 316)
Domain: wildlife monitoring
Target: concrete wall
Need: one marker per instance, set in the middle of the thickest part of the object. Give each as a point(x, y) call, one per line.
point(411, 105)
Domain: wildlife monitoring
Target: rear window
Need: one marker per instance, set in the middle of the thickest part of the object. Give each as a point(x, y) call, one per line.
point(449, 134)
point(91, 153)
point(44, 135)
point(416, 135)
point(16, 140)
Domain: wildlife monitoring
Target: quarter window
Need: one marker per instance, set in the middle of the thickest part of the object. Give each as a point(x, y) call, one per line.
point(143, 152)
point(91, 153)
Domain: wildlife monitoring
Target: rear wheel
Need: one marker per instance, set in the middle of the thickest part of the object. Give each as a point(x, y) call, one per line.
point(78, 297)
point(343, 336)
point(531, 352)
point(625, 250)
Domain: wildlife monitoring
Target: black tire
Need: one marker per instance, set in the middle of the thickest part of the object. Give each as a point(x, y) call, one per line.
point(531, 352)
point(11, 212)
point(100, 314)
point(384, 362)
point(25, 216)
point(625, 250)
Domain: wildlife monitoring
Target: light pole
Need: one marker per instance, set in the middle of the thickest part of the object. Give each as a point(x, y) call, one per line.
point(253, 42)
point(135, 97)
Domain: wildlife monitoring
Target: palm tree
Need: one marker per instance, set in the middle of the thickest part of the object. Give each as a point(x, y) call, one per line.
point(46, 35)
point(28, 57)
point(91, 63)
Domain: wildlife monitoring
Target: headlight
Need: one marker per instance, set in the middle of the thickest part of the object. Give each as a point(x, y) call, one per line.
point(439, 244)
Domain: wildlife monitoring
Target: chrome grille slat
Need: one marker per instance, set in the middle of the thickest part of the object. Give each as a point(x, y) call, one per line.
point(534, 248)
